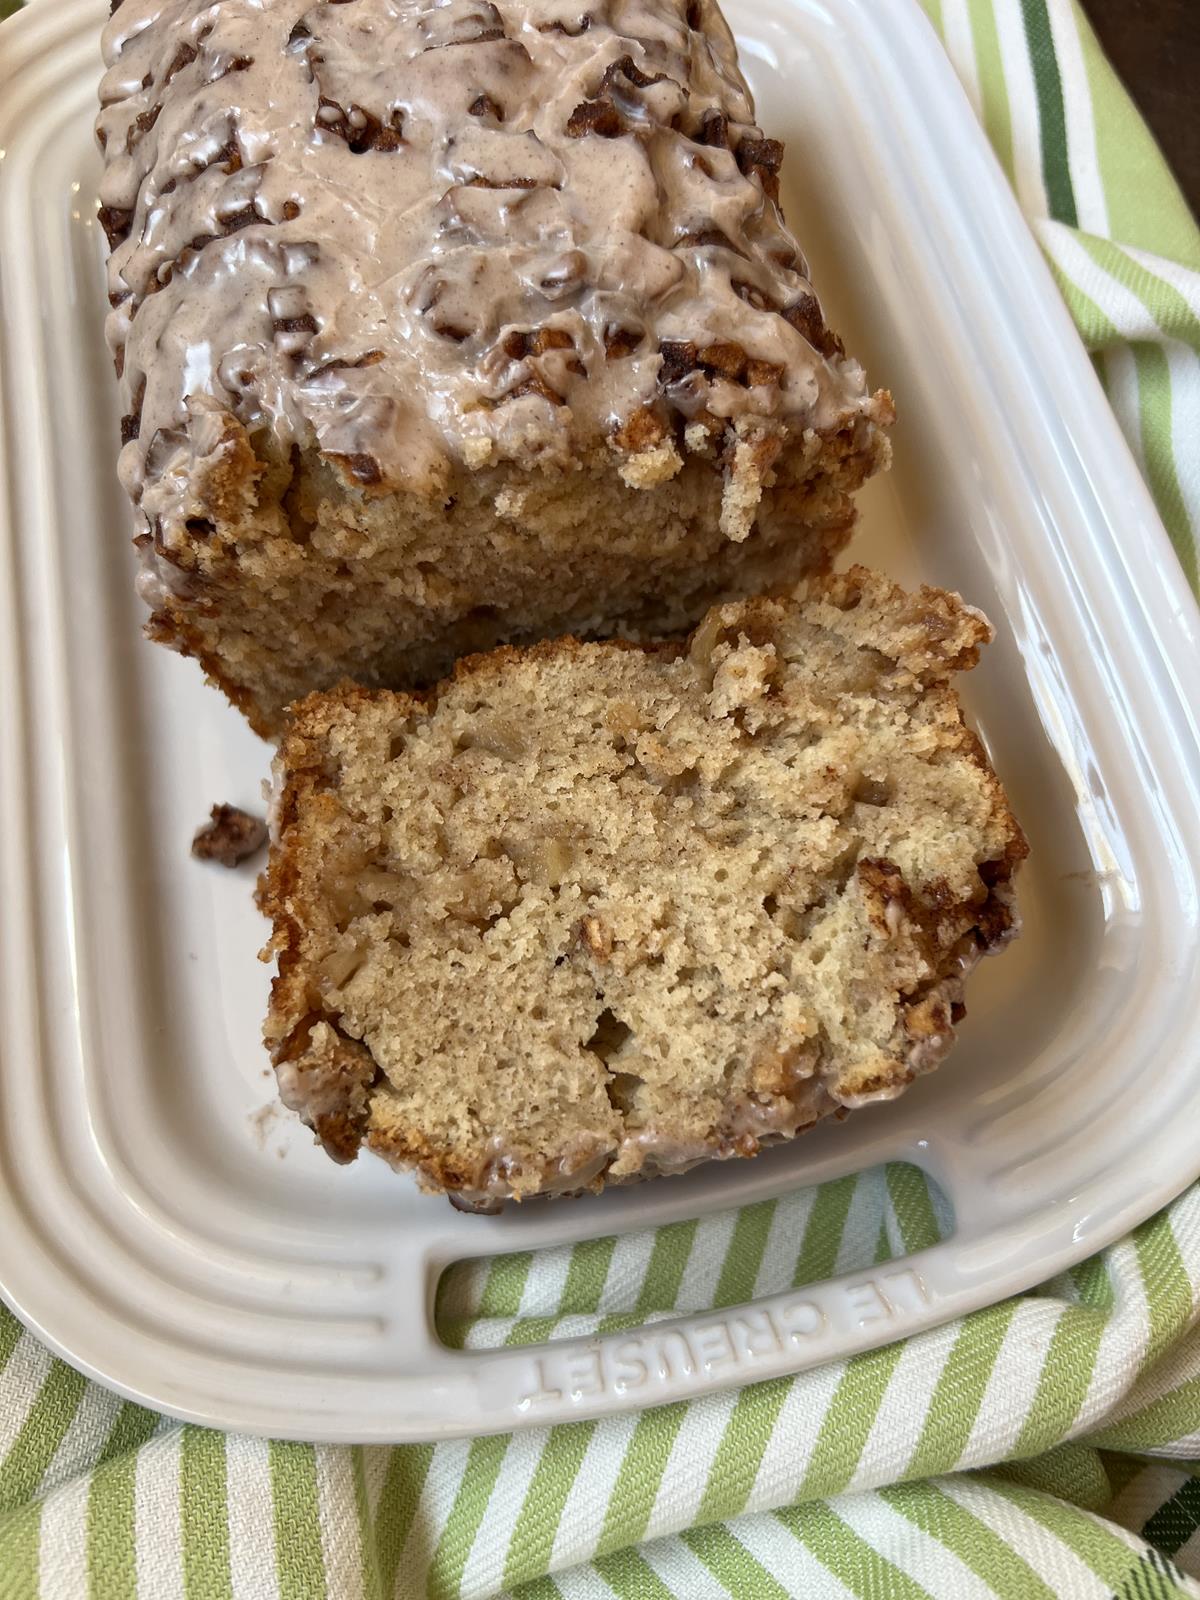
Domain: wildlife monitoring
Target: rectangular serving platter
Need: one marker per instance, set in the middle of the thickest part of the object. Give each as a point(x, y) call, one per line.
point(170, 1233)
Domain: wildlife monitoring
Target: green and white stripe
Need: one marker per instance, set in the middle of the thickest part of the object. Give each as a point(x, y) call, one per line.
point(852, 1479)
point(1046, 1447)
point(1117, 233)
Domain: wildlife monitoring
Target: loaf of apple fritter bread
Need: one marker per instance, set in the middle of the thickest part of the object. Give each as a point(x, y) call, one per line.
point(588, 913)
point(441, 324)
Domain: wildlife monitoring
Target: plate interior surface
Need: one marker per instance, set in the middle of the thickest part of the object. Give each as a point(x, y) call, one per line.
point(175, 1232)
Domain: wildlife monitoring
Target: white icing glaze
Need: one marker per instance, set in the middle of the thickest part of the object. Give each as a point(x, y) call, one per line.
point(336, 221)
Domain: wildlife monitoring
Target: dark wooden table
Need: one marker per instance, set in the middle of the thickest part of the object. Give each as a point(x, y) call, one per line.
point(1155, 46)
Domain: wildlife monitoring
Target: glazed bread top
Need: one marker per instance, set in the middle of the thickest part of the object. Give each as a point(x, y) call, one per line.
point(405, 233)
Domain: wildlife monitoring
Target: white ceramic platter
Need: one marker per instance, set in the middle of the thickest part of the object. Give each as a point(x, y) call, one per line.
point(178, 1241)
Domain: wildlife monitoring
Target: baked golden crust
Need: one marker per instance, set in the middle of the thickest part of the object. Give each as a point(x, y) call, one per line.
point(588, 913)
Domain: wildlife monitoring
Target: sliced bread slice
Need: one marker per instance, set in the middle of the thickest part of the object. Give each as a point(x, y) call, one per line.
point(590, 912)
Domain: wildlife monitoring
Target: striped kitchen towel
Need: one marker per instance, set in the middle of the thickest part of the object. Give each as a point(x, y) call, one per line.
point(1047, 1447)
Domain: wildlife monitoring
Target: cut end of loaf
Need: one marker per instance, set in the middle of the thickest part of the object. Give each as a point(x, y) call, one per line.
point(296, 578)
point(588, 913)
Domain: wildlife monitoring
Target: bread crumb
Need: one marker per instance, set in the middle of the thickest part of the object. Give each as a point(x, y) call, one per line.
point(649, 468)
point(230, 836)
